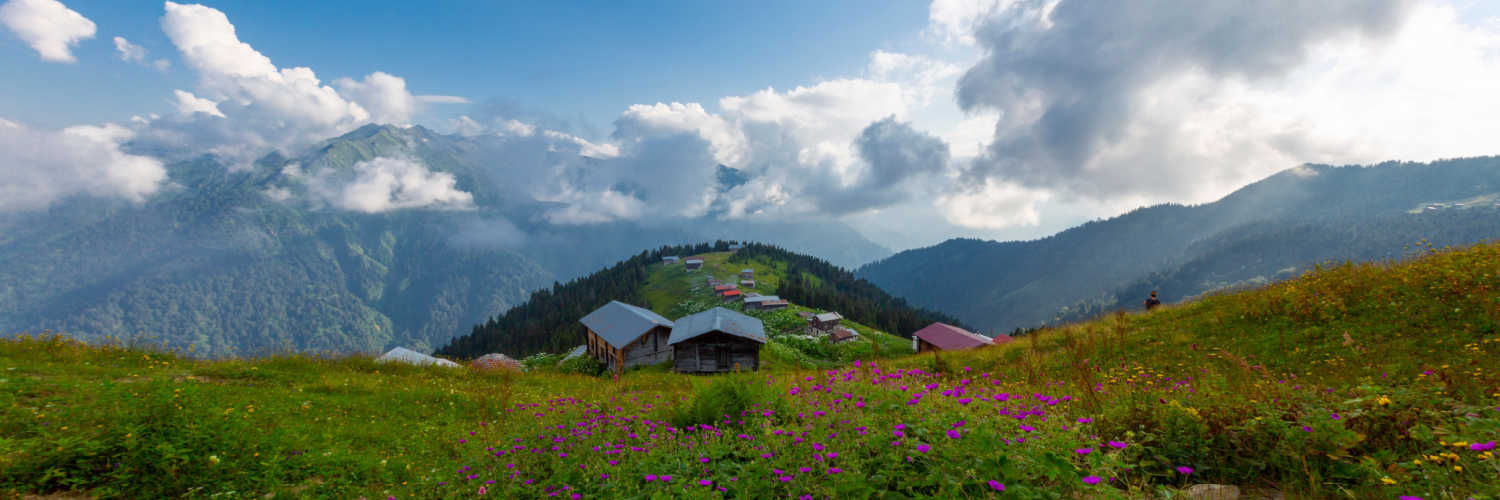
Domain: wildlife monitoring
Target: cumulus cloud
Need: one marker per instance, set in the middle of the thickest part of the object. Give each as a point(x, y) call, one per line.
point(383, 95)
point(263, 106)
point(188, 104)
point(48, 26)
point(42, 167)
point(381, 185)
point(1133, 98)
point(129, 52)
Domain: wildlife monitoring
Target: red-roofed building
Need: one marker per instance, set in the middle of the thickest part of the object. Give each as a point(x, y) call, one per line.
point(946, 337)
point(731, 295)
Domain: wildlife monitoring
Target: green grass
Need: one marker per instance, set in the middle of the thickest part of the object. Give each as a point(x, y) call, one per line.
point(1362, 381)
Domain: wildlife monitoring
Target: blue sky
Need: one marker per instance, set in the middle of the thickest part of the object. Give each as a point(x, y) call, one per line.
point(912, 122)
point(587, 60)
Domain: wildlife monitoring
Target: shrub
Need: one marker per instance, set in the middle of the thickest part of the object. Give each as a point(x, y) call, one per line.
point(582, 365)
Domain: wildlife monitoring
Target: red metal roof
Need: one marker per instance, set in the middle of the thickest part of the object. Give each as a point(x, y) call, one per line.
point(950, 338)
point(731, 293)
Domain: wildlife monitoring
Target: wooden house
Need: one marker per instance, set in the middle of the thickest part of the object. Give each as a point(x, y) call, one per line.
point(747, 274)
point(670, 259)
point(765, 303)
point(946, 337)
point(747, 283)
point(715, 341)
point(720, 289)
point(621, 335)
point(693, 264)
point(824, 322)
point(842, 334)
point(730, 295)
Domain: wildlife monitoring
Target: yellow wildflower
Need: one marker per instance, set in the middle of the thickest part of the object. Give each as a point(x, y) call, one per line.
point(1387, 480)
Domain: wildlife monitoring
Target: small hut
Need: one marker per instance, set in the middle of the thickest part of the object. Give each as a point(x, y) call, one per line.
point(715, 341)
point(747, 274)
point(670, 259)
point(496, 361)
point(693, 264)
point(747, 283)
point(621, 335)
point(842, 334)
point(824, 322)
point(946, 337)
point(731, 295)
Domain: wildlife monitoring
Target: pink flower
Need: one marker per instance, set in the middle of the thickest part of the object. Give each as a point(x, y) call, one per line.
point(1083, 451)
point(1482, 446)
point(995, 485)
point(1117, 445)
point(650, 477)
point(705, 482)
point(1185, 470)
point(481, 490)
point(924, 448)
point(1091, 479)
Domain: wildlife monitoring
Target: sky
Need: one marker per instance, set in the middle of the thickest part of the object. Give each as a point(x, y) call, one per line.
point(912, 122)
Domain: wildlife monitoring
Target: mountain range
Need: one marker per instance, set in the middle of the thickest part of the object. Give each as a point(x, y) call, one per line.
point(1272, 229)
point(236, 260)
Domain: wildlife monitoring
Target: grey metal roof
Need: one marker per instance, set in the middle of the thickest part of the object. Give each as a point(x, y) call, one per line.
point(828, 316)
point(408, 356)
point(717, 319)
point(619, 323)
point(700, 261)
point(761, 298)
point(747, 270)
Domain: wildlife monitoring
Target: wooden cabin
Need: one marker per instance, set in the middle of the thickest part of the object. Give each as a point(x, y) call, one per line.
point(747, 283)
point(716, 341)
point(670, 259)
point(946, 337)
point(693, 264)
point(621, 335)
point(824, 322)
point(731, 295)
point(842, 334)
point(765, 303)
point(747, 274)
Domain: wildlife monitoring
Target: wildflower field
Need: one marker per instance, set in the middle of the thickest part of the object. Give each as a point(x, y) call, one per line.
point(1354, 381)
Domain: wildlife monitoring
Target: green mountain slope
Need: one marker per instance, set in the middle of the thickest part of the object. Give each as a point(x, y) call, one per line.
point(999, 286)
point(549, 321)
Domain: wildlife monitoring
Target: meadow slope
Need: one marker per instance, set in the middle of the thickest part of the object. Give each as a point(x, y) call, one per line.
point(1363, 381)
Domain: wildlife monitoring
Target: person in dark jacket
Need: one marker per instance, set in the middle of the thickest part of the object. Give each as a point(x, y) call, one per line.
point(1152, 301)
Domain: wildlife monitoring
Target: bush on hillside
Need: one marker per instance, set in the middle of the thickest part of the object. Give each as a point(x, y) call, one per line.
point(582, 365)
point(727, 397)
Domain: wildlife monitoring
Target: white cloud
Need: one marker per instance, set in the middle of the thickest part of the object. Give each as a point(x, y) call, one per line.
point(130, 52)
point(643, 120)
point(1207, 111)
point(266, 107)
point(48, 26)
point(188, 104)
point(381, 185)
point(994, 205)
point(383, 95)
point(442, 99)
point(42, 167)
point(517, 127)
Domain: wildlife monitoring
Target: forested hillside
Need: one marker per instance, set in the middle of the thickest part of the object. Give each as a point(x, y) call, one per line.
point(549, 321)
point(999, 286)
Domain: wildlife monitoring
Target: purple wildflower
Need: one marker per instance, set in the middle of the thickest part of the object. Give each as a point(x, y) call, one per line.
point(995, 485)
point(1185, 470)
point(1091, 479)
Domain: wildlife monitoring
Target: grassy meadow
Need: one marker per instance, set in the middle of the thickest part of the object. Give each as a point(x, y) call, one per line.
point(1354, 381)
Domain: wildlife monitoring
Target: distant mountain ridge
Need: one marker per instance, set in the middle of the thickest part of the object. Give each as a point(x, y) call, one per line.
point(241, 261)
point(1000, 286)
